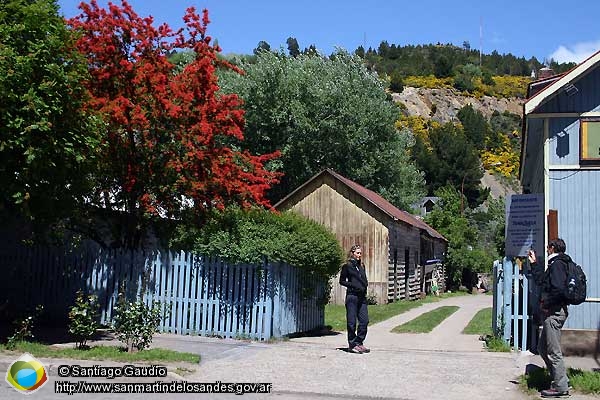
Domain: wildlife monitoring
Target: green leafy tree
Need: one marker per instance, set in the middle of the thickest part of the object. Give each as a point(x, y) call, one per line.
point(463, 80)
point(442, 67)
point(465, 256)
point(475, 126)
point(311, 50)
point(325, 113)
point(360, 51)
point(262, 46)
point(396, 83)
point(48, 143)
point(486, 78)
point(383, 49)
point(504, 125)
point(491, 222)
point(449, 158)
point(293, 47)
point(443, 59)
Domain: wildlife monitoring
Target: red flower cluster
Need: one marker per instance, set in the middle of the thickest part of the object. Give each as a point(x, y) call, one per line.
point(169, 136)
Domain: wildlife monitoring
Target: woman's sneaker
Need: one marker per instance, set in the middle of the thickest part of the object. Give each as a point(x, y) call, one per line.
point(363, 349)
point(356, 349)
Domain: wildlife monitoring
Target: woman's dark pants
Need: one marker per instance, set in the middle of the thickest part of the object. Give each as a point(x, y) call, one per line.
point(356, 308)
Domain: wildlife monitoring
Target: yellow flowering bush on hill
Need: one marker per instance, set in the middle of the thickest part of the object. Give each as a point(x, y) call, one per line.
point(428, 81)
point(503, 160)
point(419, 126)
point(504, 86)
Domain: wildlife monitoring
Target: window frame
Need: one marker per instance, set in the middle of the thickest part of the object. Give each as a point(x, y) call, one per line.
point(583, 138)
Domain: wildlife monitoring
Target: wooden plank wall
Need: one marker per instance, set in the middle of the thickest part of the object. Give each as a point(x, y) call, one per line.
point(353, 220)
point(200, 295)
point(397, 286)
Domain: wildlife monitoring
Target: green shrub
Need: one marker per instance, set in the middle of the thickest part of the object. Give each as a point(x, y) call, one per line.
point(371, 299)
point(396, 82)
point(83, 318)
point(136, 322)
point(496, 344)
point(24, 328)
point(248, 236)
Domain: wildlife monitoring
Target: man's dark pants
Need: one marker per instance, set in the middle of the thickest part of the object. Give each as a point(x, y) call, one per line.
point(356, 308)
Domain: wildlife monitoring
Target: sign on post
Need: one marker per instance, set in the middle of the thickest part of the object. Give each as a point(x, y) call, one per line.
point(524, 224)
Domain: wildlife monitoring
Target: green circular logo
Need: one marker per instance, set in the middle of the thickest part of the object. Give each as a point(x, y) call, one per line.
point(26, 374)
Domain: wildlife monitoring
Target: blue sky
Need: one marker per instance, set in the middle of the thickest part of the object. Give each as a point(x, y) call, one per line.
point(546, 29)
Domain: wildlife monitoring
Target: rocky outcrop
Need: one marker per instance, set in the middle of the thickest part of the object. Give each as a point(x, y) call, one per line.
point(497, 188)
point(442, 105)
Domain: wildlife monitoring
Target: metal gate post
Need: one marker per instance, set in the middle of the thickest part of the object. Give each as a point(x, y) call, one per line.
point(515, 303)
point(507, 298)
point(497, 300)
point(524, 345)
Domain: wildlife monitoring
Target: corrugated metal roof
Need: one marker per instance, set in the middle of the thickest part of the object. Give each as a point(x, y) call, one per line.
point(570, 76)
point(377, 201)
point(537, 86)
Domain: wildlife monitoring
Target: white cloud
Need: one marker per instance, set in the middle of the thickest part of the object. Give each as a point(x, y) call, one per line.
point(576, 53)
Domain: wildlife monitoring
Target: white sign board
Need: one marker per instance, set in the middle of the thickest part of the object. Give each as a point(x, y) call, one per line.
point(524, 224)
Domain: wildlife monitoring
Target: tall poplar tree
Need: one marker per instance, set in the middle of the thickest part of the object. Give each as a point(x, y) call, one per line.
point(326, 113)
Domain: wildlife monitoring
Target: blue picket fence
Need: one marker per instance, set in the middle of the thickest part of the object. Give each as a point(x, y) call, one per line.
point(512, 312)
point(200, 295)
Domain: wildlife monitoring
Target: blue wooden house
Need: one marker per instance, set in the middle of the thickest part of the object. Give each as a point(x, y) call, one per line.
point(560, 158)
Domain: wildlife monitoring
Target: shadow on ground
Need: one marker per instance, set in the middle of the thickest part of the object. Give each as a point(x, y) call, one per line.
point(536, 377)
point(324, 331)
point(51, 333)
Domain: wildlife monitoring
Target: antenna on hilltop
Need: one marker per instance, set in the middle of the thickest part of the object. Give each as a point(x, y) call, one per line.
point(480, 39)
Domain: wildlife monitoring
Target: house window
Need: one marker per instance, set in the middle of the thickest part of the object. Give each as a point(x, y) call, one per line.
point(590, 141)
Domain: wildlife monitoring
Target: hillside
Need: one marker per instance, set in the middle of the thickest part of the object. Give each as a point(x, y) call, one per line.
point(443, 104)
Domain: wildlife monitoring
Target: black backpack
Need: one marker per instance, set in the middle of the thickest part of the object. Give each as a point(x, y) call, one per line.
point(576, 284)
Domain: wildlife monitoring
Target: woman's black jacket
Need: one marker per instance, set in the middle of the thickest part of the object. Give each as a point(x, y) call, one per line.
point(354, 277)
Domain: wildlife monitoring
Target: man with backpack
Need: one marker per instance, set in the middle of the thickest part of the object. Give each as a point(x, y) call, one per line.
point(553, 305)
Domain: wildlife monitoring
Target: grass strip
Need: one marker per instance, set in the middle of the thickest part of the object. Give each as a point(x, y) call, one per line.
point(113, 353)
point(480, 324)
point(426, 322)
point(335, 314)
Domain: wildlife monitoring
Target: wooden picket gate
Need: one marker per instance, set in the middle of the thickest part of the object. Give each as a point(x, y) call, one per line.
point(512, 314)
point(200, 295)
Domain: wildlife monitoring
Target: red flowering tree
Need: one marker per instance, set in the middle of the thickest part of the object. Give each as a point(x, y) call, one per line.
point(169, 135)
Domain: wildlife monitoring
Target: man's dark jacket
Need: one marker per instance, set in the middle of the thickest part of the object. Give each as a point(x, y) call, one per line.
point(552, 281)
point(354, 277)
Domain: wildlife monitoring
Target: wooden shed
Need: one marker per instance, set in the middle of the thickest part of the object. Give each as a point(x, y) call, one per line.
point(396, 245)
point(560, 159)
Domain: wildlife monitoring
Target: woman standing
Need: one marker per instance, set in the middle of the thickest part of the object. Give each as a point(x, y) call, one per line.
point(354, 278)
